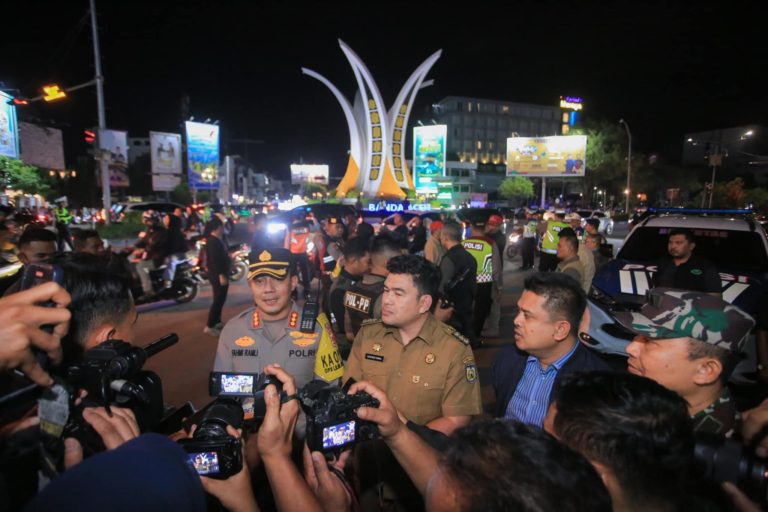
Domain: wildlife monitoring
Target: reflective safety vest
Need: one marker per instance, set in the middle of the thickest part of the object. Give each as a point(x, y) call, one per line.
point(62, 215)
point(482, 251)
point(298, 239)
point(529, 230)
point(552, 236)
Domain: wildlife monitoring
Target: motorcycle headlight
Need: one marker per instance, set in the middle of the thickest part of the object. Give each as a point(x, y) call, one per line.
point(514, 238)
point(275, 227)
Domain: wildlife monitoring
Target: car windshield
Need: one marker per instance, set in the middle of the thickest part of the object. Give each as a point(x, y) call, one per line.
point(743, 250)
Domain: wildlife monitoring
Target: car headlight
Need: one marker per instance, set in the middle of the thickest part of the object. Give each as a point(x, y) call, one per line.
point(275, 227)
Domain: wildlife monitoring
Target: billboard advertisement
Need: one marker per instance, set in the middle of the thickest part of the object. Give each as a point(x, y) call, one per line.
point(41, 146)
point(165, 152)
point(301, 173)
point(114, 148)
point(9, 131)
point(203, 155)
point(428, 157)
point(165, 182)
point(547, 156)
point(165, 156)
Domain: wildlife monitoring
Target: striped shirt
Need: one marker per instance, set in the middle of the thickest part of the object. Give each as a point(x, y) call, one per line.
point(531, 398)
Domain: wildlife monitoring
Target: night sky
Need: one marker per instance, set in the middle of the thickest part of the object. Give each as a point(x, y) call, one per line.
point(666, 69)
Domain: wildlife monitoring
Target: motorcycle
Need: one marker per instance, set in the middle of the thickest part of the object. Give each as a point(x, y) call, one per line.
point(238, 255)
point(514, 240)
point(238, 268)
point(183, 289)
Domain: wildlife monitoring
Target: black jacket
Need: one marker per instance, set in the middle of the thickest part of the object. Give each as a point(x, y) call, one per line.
point(509, 366)
point(217, 258)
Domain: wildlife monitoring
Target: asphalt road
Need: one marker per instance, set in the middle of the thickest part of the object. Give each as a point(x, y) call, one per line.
point(184, 367)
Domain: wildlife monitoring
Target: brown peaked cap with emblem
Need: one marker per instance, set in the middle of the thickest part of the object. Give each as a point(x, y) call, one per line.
point(274, 262)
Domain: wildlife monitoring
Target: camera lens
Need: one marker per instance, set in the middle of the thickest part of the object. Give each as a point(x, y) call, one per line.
point(223, 412)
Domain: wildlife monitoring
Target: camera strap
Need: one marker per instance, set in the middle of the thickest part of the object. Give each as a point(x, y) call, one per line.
point(354, 503)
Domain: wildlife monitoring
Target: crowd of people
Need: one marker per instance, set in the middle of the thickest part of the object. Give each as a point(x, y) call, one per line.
point(400, 315)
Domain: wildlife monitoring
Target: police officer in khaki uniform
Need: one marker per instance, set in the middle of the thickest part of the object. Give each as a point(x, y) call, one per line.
point(270, 332)
point(426, 368)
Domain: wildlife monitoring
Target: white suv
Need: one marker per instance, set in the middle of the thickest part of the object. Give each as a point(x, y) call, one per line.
point(732, 239)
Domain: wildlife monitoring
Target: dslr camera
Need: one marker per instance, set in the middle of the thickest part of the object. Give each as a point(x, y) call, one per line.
point(248, 388)
point(211, 451)
point(332, 422)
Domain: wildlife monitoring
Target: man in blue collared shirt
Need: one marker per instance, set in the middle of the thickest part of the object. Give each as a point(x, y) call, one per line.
point(546, 348)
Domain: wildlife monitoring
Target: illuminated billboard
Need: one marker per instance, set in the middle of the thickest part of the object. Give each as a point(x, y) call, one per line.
point(203, 155)
point(302, 173)
point(428, 157)
point(9, 131)
point(547, 156)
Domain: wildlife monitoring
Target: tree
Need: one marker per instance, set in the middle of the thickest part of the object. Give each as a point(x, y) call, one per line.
point(25, 178)
point(606, 158)
point(516, 187)
point(181, 194)
point(758, 198)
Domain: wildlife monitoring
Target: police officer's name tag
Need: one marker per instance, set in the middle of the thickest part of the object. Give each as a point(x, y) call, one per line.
point(374, 357)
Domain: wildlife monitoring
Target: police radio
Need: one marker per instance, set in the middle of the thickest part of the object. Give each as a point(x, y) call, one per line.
point(309, 313)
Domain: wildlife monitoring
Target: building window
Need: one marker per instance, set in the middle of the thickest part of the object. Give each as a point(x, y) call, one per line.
point(459, 105)
point(505, 109)
point(566, 129)
point(565, 117)
point(469, 107)
point(490, 146)
point(479, 145)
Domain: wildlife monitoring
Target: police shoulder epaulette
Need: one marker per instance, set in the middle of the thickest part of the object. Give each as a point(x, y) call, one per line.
point(371, 321)
point(456, 334)
point(246, 313)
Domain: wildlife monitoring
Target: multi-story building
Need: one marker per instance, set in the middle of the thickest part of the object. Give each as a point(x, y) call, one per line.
point(137, 146)
point(478, 128)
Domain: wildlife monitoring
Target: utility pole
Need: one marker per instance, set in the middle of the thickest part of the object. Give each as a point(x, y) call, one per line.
point(629, 164)
point(99, 79)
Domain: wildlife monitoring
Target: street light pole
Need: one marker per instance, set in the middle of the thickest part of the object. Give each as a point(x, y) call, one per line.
point(629, 163)
point(99, 79)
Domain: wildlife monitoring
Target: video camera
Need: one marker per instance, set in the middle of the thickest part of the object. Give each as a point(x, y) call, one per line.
point(727, 460)
point(332, 421)
point(112, 375)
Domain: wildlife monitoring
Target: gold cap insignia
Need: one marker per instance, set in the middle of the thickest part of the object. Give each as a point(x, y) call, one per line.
point(377, 347)
point(430, 358)
point(265, 256)
point(416, 379)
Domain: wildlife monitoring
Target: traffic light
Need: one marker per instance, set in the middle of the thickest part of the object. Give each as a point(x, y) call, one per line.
point(89, 136)
point(53, 92)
